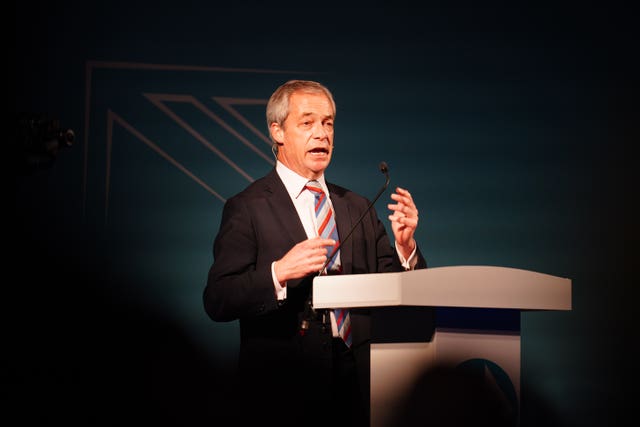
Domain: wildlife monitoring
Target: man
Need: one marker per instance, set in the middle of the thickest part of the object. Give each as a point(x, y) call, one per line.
point(269, 249)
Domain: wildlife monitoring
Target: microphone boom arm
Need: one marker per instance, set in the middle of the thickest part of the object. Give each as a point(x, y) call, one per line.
point(309, 311)
point(385, 170)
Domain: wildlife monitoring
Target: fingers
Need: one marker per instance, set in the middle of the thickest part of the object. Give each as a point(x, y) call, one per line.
point(318, 247)
point(308, 256)
point(404, 220)
point(318, 252)
point(404, 211)
point(318, 243)
point(404, 199)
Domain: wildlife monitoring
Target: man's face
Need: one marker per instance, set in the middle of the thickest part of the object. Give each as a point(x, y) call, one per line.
point(306, 136)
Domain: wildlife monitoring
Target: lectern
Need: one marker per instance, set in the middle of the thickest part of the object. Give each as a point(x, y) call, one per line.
point(476, 319)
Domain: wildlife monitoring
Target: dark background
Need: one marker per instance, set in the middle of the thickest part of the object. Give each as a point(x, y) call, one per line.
point(513, 127)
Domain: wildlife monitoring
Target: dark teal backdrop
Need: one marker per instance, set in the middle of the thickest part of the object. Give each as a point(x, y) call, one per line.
point(511, 126)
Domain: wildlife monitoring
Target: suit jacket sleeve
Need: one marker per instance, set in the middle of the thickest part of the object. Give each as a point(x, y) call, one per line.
point(239, 282)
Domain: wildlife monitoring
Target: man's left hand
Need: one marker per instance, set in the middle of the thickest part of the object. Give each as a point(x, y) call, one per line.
point(404, 220)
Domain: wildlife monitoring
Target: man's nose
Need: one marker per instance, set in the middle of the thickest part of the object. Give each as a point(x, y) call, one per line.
point(320, 131)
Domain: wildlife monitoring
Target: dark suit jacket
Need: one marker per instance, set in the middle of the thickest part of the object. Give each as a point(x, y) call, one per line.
point(260, 225)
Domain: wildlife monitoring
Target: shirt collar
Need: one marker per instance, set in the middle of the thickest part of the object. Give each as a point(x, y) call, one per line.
point(295, 183)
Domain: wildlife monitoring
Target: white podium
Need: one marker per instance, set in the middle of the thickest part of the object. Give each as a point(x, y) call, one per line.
point(460, 315)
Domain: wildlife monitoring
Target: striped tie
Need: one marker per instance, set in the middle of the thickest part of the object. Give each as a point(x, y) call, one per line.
point(327, 229)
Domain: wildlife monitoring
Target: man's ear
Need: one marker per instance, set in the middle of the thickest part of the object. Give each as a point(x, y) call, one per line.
point(276, 133)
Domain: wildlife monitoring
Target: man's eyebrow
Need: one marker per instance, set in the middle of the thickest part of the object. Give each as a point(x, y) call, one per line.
point(307, 114)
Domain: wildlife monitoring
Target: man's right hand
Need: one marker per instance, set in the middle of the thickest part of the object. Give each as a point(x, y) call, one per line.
point(303, 259)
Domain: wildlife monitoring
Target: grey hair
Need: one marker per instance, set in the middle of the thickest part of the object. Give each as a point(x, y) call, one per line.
point(278, 105)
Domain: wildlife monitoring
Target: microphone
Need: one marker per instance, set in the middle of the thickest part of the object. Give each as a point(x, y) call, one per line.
point(309, 312)
point(385, 170)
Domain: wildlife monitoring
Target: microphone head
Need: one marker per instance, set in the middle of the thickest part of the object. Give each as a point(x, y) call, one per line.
point(383, 168)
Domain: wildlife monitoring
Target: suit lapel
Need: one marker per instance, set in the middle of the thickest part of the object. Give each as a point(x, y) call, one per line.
point(344, 224)
point(283, 209)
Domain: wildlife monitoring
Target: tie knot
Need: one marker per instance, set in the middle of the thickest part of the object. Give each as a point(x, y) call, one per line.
point(314, 186)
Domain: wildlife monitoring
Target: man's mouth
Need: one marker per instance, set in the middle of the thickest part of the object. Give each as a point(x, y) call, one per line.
point(319, 150)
